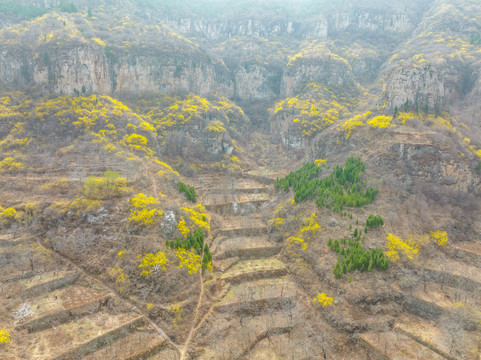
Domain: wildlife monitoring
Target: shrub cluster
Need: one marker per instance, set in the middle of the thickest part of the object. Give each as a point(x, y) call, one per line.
point(109, 186)
point(189, 191)
point(343, 187)
point(8, 215)
point(374, 221)
point(352, 256)
point(193, 240)
point(143, 210)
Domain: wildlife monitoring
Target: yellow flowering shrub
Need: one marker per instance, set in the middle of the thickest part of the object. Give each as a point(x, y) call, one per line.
point(166, 169)
point(135, 141)
point(395, 245)
point(309, 227)
point(406, 116)
point(354, 122)
point(78, 206)
point(323, 300)
point(320, 162)
point(177, 311)
point(145, 126)
point(184, 230)
point(168, 111)
point(143, 210)
point(440, 237)
point(57, 186)
point(13, 143)
point(198, 216)
point(315, 109)
point(439, 121)
point(9, 164)
point(381, 121)
point(152, 262)
point(8, 214)
point(99, 41)
point(188, 259)
point(277, 222)
point(215, 126)
point(31, 210)
point(121, 278)
point(4, 336)
point(296, 240)
point(121, 254)
point(106, 187)
point(411, 247)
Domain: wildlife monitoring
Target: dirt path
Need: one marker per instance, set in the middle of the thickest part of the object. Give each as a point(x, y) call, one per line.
point(185, 348)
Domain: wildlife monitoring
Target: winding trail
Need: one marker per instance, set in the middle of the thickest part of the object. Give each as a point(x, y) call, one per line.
point(185, 348)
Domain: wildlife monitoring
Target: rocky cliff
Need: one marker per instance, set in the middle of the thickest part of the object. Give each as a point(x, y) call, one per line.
point(421, 86)
point(331, 72)
point(255, 82)
point(328, 22)
point(90, 58)
point(72, 69)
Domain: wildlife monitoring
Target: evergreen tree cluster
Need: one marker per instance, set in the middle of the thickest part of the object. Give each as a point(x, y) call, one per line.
point(343, 187)
point(374, 221)
point(193, 240)
point(352, 256)
point(189, 191)
point(68, 7)
point(301, 176)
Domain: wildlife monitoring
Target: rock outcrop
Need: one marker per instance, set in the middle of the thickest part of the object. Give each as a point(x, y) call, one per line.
point(331, 72)
point(83, 68)
point(255, 82)
point(316, 26)
point(421, 86)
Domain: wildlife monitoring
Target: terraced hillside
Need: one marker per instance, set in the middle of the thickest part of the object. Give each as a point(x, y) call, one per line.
point(271, 289)
point(61, 312)
point(258, 180)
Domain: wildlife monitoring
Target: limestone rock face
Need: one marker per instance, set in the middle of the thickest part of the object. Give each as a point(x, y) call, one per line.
point(290, 136)
point(254, 82)
point(76, 68)
point(369, 20)
point(428, 85)
point(137, 73)
point(318, 30)
point(427, 163)
point(221, 29)
point(317, 26)
point(328, 71)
